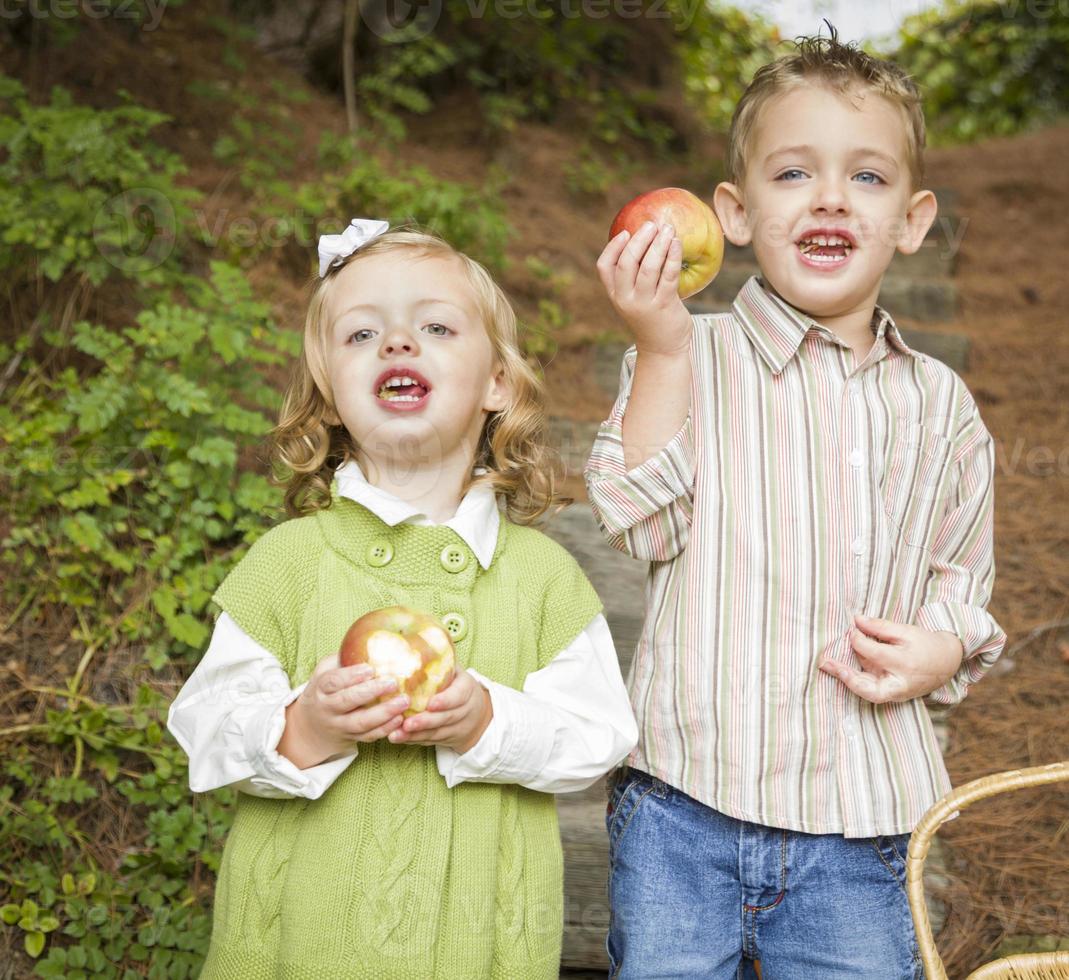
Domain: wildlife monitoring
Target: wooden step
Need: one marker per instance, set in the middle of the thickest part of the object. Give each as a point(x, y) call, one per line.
point(617, 578)
point(620, 581)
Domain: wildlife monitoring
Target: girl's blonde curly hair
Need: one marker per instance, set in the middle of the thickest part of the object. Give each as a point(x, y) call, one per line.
point(306, 447)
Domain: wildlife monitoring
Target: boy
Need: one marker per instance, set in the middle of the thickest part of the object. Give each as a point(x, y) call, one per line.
point(785, 468)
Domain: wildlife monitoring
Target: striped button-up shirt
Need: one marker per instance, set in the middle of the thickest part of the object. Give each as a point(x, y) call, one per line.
point(800, 488)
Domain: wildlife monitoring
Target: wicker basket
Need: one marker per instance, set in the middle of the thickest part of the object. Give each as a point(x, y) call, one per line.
point(1025, 966)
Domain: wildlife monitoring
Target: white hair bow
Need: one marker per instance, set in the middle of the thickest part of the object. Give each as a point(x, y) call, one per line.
point(359, 232)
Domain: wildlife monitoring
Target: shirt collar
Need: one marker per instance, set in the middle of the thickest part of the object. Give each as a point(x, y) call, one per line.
point(776, 328)
point(476, 521)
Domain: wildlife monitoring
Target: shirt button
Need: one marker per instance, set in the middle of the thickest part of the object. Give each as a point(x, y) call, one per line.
point(858, 547)
point(456, 626)
point(453, 558)
point(852, 387)
point(857, 457)
point(379, 553)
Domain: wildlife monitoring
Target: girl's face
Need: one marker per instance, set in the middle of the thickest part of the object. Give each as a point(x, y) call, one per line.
point(412, 319)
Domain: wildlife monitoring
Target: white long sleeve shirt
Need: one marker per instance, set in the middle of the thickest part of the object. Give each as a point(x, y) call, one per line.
point(571, 723)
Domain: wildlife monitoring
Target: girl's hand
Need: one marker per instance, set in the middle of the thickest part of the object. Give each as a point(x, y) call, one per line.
point(641, 276)
point(337, 710)
point(456, 716)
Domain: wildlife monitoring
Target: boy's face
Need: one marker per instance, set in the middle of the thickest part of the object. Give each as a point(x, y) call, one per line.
point(820, 162)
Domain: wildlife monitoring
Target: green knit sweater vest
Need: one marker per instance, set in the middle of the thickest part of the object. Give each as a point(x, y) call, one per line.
point(390, 874)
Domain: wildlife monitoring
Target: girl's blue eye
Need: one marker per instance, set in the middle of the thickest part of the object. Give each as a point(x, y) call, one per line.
point(356, 336)
point(443, 326)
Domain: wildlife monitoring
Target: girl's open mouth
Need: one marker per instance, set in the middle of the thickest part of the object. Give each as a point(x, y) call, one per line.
point(403, 393)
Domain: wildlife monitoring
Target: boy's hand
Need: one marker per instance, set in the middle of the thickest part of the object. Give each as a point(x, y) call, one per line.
point(641, 276)
point(336, 710)
point(456, 716)
point(900, 662)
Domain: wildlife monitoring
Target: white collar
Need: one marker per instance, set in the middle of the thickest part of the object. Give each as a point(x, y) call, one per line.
point(476, 521)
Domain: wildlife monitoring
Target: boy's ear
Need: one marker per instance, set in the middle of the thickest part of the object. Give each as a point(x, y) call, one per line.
point(920, 216)
point(497, 393)
point(730, 208)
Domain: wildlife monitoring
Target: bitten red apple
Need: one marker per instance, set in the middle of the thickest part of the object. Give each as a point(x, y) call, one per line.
point(410, 646)
point(696, 225)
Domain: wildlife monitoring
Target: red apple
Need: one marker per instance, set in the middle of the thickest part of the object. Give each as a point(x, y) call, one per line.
point(696, 225)
point(410, 646)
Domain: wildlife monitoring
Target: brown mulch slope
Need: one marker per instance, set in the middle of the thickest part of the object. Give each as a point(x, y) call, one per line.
point(1010, 863)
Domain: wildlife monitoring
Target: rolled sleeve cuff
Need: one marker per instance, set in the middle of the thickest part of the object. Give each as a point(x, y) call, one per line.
point(507, 750)
point(666, 476)
point(276, 777)
point(981, 638)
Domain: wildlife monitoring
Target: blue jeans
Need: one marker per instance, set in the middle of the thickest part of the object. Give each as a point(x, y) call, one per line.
point(695, 893)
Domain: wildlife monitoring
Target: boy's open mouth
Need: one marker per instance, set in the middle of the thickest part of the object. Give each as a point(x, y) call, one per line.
point(825, 248)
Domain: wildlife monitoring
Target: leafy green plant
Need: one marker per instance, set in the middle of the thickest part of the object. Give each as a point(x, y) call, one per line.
point(721, 50)
point(85, 189)
point(987, 68)
point(120, 463)
point(392, 86)
point(355, 182)
point(127, 477)
point(151, 909)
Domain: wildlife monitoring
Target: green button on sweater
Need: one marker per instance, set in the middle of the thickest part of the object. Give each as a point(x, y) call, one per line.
point(390, 874)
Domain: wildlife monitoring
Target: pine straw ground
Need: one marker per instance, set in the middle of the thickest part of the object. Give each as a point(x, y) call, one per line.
point(1009, 860)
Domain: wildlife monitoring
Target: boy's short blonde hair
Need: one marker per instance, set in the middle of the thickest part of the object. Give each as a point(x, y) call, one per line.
point(309, 443)
point(841, 67)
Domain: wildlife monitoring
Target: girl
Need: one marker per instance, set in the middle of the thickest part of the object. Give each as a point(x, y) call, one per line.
point(365, 844)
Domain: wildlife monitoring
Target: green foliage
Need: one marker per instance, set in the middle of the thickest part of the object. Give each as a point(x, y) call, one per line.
point(391, 86)
point(119, 465)
point(85, 189)
point(353, 182)
point(988, 68)
point(590, 175)
point(540, 332)
point(127, 476)
point(721, 51)
point(542, 62)
point(263, 138)
point(151, 911)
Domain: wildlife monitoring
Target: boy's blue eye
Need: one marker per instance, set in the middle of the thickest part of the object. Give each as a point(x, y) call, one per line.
point(868, 173)
point(786, 172)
